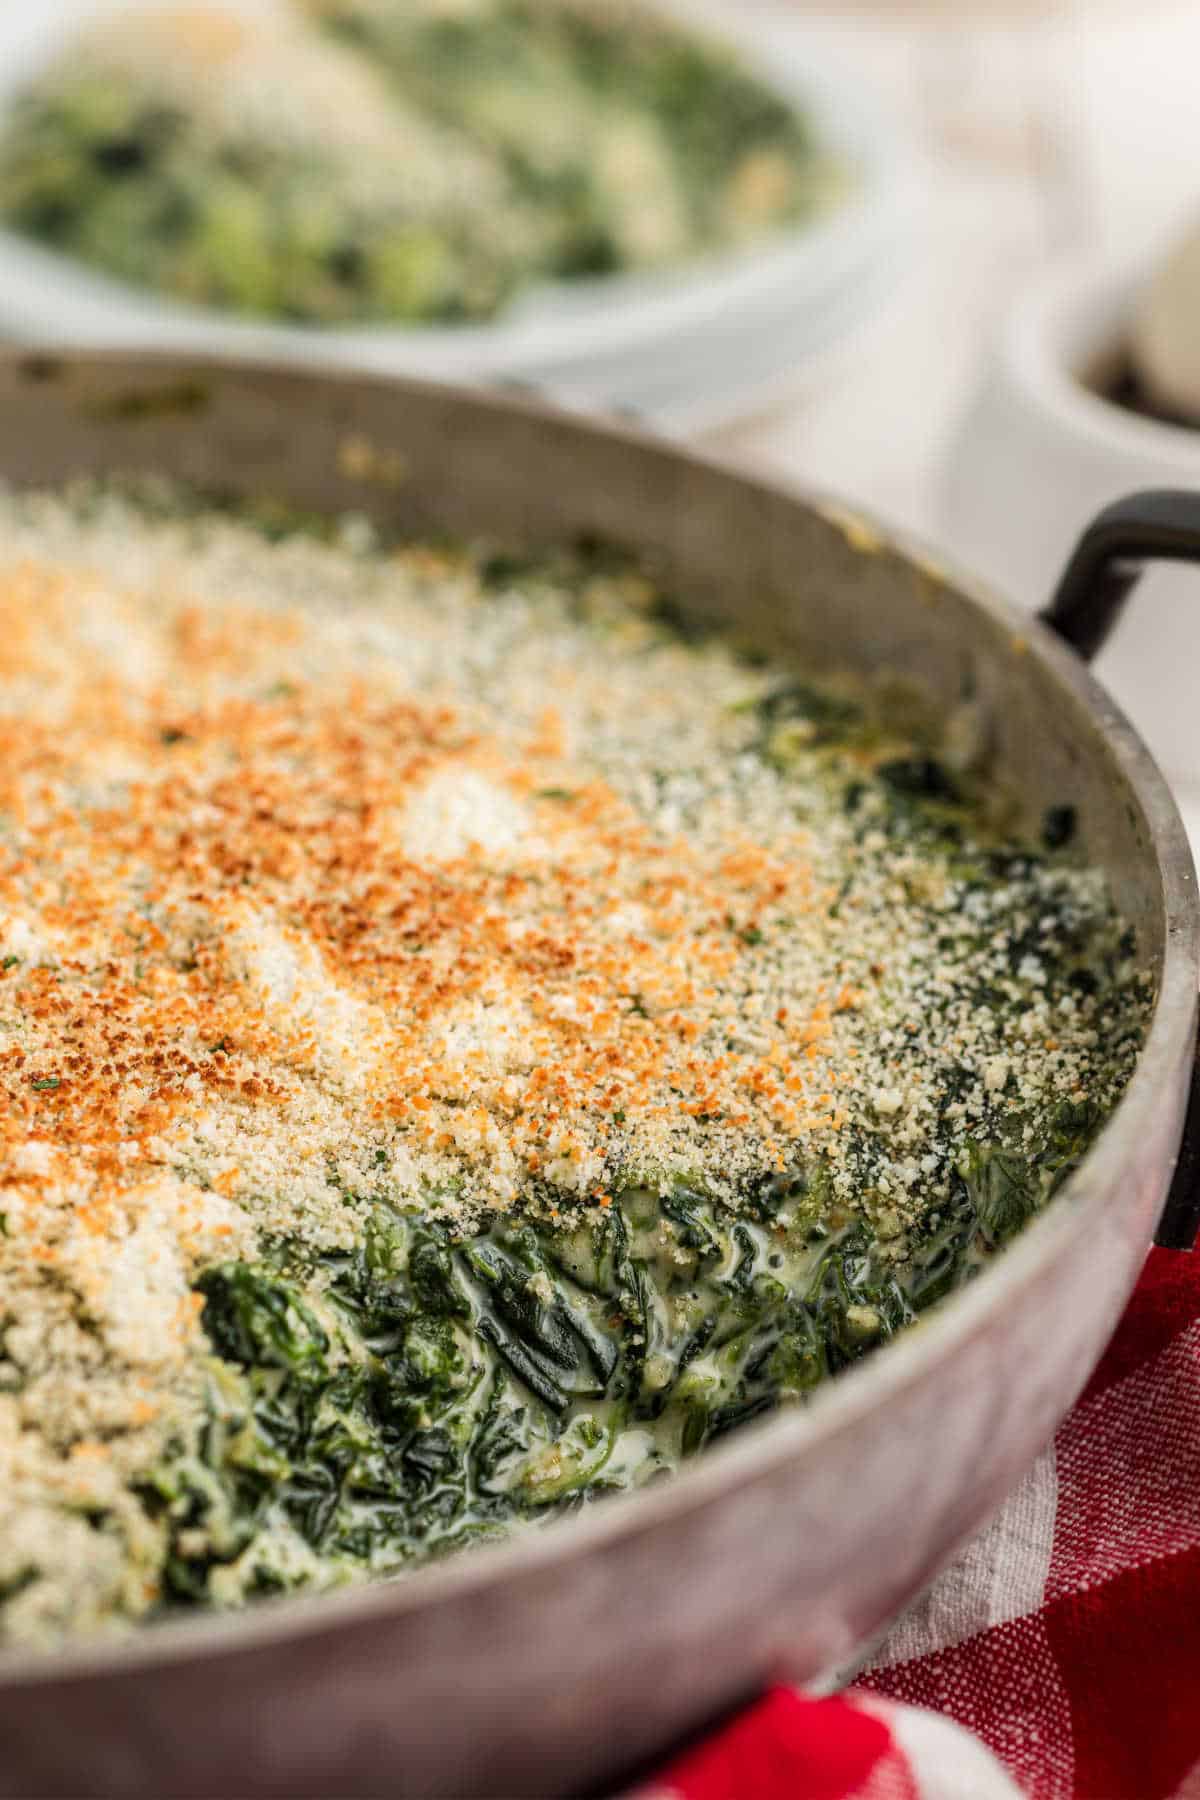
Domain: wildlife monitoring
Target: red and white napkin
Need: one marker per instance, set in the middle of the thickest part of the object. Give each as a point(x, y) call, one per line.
point(1059, 1657)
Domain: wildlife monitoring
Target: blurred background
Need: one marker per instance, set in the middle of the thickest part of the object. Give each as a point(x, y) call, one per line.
point(1045, 132)
point(911, 253)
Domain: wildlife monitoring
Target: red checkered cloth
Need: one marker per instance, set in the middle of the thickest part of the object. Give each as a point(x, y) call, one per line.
point(1059, 1657)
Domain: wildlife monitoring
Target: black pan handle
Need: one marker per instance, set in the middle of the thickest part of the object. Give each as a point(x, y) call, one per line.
point(1162, 525)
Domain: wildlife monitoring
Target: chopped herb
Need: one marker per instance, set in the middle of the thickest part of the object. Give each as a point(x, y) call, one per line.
point(919, 778)
point(1058, 827)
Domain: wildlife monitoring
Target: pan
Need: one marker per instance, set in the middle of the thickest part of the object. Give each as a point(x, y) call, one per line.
point(562, 1662)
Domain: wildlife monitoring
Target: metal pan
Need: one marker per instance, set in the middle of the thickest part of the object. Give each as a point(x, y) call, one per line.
point(562, 1661)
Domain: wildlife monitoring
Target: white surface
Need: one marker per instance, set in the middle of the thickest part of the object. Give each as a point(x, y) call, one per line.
point(1076, 131)
point(689, 348)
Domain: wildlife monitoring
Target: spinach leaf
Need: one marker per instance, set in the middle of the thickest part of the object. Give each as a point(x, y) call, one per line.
point(1002, 1189)
point(254, 1318)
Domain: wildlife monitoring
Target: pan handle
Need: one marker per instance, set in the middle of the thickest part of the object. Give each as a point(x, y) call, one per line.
point(1180, 1219)
point(1160, 525)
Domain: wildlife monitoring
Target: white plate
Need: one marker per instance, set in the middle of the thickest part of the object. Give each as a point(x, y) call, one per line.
point(684, 348)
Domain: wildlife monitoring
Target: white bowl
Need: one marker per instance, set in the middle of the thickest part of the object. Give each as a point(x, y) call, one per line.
point(688, 348)
point(1039, 453)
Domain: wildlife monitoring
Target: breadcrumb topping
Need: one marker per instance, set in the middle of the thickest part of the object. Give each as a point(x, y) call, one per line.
point(329, 873)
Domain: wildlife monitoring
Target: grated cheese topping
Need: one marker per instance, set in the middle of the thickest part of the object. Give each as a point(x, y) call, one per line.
point(328, 872)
